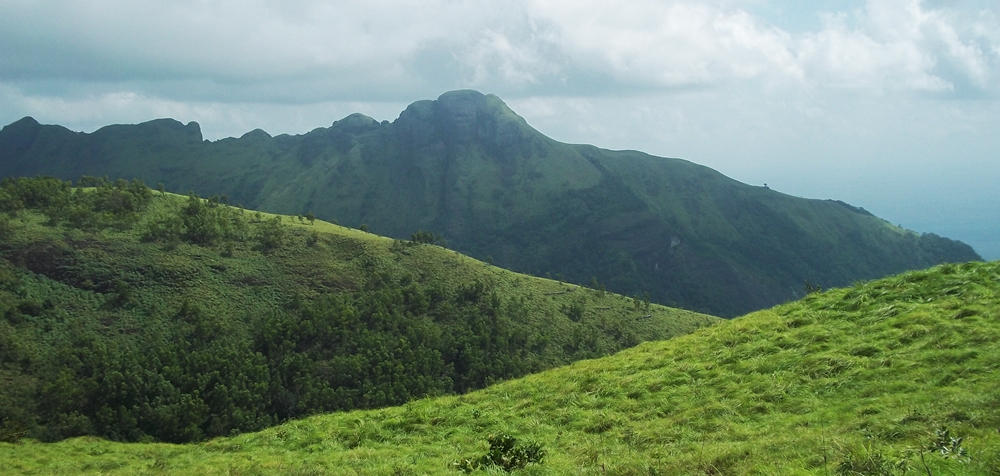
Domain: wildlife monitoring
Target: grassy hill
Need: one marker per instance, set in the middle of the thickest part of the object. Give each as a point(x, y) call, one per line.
point(138, 315)
point(895, 376)
point(468, 168)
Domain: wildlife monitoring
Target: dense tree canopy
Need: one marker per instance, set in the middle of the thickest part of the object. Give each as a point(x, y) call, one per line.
point(140, 317)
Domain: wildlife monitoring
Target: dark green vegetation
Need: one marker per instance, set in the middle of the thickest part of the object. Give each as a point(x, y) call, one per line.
point(505, 453)
point(890, 377)
point(468, 169)
point(136, 315)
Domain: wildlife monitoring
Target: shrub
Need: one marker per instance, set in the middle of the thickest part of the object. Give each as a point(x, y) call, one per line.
point(423, 236)
point(948, 446)
point(575, 311)
point(869, 461)
point(271, 234)
point(504, 454)
point(6, 228)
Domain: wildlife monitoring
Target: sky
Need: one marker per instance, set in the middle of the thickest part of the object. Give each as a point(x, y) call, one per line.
point(890, 105)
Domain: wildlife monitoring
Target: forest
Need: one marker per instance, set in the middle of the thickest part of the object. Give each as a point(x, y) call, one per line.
point(137, 315)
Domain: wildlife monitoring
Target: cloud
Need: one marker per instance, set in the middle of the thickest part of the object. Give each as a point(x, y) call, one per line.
point(257, 47)
point(888, 44)
point(307, 51)
point(894, 44)
point(666, 44)
point(858, 103)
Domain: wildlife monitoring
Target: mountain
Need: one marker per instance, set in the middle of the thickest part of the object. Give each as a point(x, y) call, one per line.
point(468, 168)
point(136, 315)
point(892, 377)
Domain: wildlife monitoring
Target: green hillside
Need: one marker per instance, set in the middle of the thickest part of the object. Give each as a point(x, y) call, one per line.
point(468, 168)
point(896, 376)
point(139, 315)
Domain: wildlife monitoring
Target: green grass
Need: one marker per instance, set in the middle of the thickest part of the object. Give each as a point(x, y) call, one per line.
point(103, 332)
point(856, 379)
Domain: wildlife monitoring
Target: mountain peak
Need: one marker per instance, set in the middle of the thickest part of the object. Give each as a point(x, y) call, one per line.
point(465, 101)
point(17, 137)
point(462, 97)
point(355, 122)
point(464, 165)
point(465, 115)
point(164, 128)
point(26, 123)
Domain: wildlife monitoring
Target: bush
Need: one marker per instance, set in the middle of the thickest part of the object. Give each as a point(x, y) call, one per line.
point(869, 461)
point(108, 204)
point(271, 234)
point(425, 237)
point(948, 446)
point(199, 222)
point(6, 228)
point(504, 454)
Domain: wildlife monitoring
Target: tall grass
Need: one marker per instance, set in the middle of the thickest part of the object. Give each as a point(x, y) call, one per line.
point(858, 380)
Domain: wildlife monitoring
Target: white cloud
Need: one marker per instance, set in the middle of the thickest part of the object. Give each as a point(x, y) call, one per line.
point(834, 108)
point(890, 44)
point(306, 51)
point(665, 44)
point(319, 45)
point(844, 57)
point(893, 44)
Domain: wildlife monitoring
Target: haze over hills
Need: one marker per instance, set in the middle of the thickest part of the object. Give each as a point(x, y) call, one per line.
point(468, 168)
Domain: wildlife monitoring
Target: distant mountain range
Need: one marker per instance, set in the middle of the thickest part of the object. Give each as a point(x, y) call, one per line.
point(468, 168)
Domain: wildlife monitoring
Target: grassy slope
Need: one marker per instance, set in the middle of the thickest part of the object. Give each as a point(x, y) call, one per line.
point(343, 260)
point(858, 374)
point(58, 282)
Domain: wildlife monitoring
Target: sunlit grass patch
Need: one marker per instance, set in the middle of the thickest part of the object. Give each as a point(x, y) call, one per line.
point(810, 387)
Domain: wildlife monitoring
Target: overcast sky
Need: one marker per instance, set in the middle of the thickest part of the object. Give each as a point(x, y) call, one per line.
point(892, 105)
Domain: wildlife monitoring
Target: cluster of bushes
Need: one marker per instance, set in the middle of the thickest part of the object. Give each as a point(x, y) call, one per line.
point(188, 370)
point(868, 459)
point(193, 375)
point(210, 223)
point(96, 203)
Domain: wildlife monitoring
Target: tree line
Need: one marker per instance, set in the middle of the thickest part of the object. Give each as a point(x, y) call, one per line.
point(186, 372)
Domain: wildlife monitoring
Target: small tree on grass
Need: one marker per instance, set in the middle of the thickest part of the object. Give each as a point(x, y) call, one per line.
point(426, 237)
point(271, 234)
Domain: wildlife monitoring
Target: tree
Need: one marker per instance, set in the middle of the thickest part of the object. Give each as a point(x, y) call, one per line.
point(198, 225)
point(426, 237)
point(271, 234)
point(5, 227)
